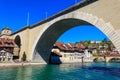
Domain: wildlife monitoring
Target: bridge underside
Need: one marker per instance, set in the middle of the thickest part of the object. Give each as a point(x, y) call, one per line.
point(43, 48)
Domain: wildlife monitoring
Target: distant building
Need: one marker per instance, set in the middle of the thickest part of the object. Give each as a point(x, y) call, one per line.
point(5, 56)
point(95, 41)
point(69, 53)
point(87, 57)
point(7, 44)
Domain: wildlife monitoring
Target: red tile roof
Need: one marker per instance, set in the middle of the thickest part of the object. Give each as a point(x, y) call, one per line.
point(5, 42)
point(110, 54)
point(69, 46)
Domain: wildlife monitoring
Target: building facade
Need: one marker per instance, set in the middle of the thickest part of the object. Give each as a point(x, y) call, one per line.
point(7, 45)
point(70, 53)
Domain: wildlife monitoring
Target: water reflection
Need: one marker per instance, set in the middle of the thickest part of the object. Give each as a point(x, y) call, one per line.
point(26, 73)
point(69, 67)
point(42, 72)
point(8, 73)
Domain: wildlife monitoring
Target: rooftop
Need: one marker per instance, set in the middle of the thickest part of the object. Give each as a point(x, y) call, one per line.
point(5, 42)
point(5, 28)
point(69, 46)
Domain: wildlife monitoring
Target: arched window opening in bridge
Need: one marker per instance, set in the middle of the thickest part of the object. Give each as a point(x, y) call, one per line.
point(17, 47)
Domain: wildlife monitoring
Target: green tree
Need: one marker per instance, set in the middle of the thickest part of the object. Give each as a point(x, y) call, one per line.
point(87, 43)
point(105, 40)
point(95, 54)
point(109, 45)
point(24, 56)
point(103, 43)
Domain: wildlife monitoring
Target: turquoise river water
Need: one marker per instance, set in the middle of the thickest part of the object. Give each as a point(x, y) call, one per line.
point(78, 71)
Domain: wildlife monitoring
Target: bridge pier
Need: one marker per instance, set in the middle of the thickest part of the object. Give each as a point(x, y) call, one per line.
point(107, 59)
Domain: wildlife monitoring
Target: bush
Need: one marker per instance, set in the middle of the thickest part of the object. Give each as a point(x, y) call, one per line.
point(24, 56)
point(96, 59)
point(95, 54)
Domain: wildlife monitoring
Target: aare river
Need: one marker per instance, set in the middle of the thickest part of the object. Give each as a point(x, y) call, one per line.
point(77, 71)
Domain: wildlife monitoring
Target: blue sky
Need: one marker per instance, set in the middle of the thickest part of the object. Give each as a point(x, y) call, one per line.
point(13, 14)
point(82, 33)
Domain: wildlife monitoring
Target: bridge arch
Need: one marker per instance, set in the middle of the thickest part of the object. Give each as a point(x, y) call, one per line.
point(114, 59)
point(53, 29)
point(17, 48)
point(18, 41)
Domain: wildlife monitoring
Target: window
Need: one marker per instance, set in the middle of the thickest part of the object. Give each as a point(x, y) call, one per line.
point(65, 55)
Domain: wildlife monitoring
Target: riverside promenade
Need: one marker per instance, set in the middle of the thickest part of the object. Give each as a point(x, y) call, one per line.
point(19, 64)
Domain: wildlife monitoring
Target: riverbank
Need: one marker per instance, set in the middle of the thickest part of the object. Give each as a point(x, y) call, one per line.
point(18, 64)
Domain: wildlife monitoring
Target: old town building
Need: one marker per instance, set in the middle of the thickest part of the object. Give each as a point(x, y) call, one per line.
point(6, 45)
point(69, 53)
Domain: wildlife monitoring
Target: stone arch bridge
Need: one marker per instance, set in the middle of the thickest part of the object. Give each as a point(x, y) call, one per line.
point(37, 40)
point(109, 58)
